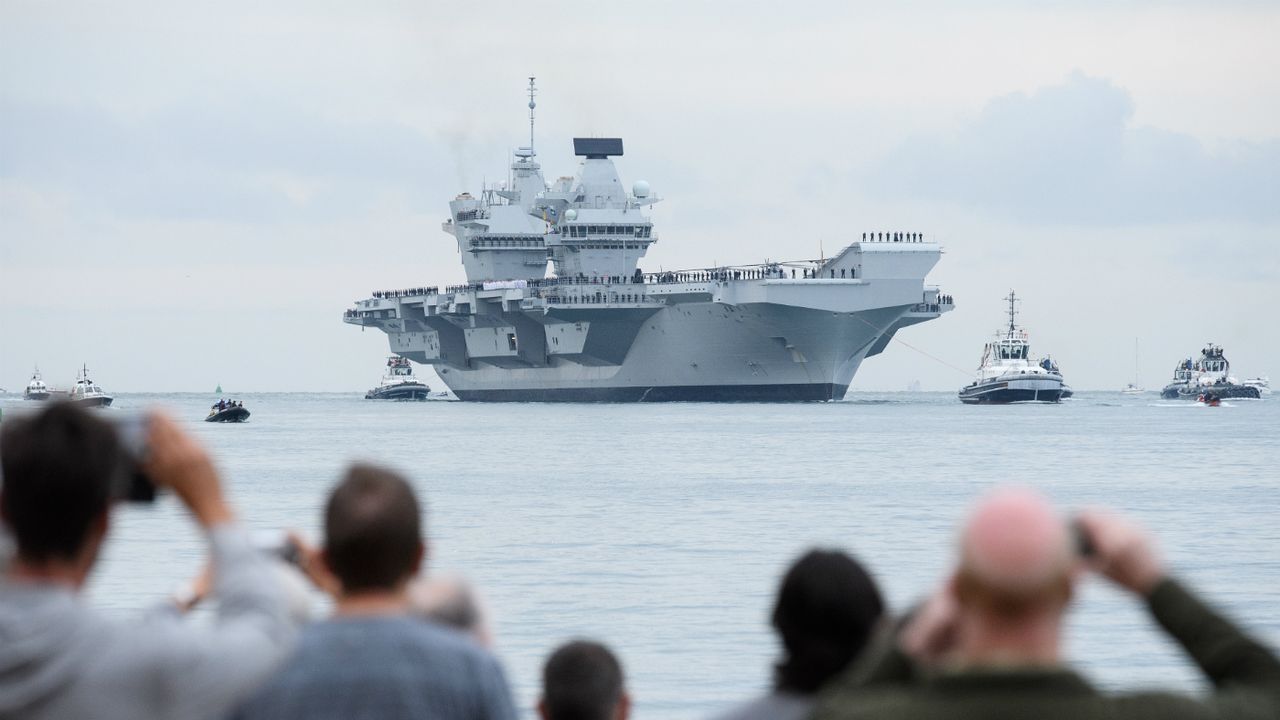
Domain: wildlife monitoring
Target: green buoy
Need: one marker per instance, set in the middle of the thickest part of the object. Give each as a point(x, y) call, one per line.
point(219, 389)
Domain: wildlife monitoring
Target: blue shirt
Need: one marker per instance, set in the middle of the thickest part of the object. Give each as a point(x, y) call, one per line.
point(384, 667)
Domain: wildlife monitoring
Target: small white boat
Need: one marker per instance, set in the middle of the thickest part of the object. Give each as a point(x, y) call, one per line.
point(37, 389)
point(1262, 383)
point(86, 392)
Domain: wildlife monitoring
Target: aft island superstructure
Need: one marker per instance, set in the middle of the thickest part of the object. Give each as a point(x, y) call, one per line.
point(598, 328)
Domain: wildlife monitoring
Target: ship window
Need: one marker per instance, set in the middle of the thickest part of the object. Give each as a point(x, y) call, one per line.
point(511, 341)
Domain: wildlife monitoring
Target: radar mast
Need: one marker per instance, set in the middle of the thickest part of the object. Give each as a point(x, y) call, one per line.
point(1012, 311)
point(533, 90)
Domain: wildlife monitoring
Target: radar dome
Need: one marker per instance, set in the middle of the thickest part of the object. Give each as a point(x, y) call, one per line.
point(570, 214)
point(640, 189)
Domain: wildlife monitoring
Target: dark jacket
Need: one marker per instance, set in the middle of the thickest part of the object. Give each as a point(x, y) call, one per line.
point(1244, 673)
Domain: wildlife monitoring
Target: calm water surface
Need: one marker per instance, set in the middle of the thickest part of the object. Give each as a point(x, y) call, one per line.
point(663, 529)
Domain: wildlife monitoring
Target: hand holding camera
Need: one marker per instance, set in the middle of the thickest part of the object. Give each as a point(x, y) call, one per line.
point(1121, 551)
point(174, 460)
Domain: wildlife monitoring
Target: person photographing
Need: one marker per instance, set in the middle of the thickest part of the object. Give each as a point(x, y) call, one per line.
point(989, 643)
point(63, 472)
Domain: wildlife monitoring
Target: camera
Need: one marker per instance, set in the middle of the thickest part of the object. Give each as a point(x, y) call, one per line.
point(277, 544)
point(133, 485)
point(1083, 542)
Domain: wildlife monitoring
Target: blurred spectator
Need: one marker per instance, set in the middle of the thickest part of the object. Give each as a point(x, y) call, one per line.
point(989, 643)
point(63, 469)
point(827, 611)
point(372, 658)
point(583, 680)
point(451, 601)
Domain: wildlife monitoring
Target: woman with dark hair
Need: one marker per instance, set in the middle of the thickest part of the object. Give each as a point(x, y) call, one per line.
point(827, 611)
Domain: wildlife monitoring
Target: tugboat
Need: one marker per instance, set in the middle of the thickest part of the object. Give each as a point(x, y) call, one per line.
point(1211, 372)
point(86, 392)
point(227, 411)
point(399, 383)
point(1007, 374)
point(36, 389)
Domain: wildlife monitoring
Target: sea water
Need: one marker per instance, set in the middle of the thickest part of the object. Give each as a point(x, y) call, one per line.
point(663, 529)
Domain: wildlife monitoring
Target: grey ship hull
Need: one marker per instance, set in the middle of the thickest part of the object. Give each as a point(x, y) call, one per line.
point(697, 352)
point(676, 351)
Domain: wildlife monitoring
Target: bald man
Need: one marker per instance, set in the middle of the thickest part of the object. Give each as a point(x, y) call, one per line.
point(988, 645)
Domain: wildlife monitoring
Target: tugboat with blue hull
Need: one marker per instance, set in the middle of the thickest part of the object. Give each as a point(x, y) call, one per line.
point(399, 383)
point(1210, 375)
point(1007, 374)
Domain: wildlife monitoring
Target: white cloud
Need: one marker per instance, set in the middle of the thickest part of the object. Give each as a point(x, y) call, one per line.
point(1069, 154)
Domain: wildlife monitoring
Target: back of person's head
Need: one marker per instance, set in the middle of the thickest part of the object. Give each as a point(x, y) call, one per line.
point(59, 469)
point(827, 610)
point(450, 601)
point(372, 530)
point(583, 680)
point(1016, 557)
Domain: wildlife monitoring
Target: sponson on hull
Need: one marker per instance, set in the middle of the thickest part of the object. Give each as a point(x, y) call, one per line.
point(598, 328)
point(1007, 374)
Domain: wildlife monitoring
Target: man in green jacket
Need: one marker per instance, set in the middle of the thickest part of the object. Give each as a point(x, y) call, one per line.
point(987, 646)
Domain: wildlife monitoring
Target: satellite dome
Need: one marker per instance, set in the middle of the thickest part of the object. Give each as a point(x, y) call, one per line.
point(570, 214)
point(640, 189)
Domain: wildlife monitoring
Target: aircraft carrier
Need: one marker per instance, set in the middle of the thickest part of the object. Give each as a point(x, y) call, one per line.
point(599, 328)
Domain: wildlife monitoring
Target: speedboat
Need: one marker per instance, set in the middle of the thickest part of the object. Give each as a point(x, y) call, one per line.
point(1211, 372)
point(1262, 382)
point(227, 411)
point(399, 383)
point(36, 389)
point(1007, 374)
point(86, 392)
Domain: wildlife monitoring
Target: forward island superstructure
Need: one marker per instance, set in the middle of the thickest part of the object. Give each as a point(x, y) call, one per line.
point(599, 328)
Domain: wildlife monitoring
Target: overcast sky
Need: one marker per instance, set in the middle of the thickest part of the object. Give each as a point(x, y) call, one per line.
point(192, 197)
